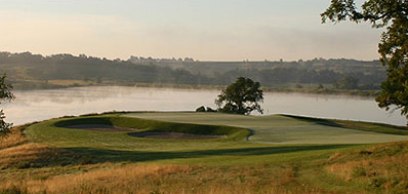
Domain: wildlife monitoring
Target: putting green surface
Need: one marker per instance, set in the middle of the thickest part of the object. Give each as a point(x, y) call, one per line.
point(281, 129)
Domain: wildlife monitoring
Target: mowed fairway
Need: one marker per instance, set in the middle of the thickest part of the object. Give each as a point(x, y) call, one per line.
point(280, 129)
point(186, 152)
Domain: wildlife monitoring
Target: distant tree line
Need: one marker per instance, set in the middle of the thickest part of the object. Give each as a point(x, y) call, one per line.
point(341, 73)
point(67, 66)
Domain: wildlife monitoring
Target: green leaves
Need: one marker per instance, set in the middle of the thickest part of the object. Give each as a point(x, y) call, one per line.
point(393, 47)
point(241, 97)
point(4, 127)
point(5, 94)
point(377, 12)
point(5, 89)
point(341, 10)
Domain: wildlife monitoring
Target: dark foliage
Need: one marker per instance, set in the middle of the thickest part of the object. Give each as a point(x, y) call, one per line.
point(241, 97)
point(5, 94)
point(201, 109)
point(26, 66)
point(393, 47)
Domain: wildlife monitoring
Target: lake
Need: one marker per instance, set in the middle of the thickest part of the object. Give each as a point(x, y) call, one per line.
point(37, 105)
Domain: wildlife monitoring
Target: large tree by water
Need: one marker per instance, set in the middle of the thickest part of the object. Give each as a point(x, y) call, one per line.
point(241, 97)
point(5, 94)
point(393, 47)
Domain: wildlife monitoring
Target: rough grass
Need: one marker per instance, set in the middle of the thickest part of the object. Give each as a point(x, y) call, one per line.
point(381, 167)
point(51, 158)
point(155, 178)
point(378, 169)
point(15, 138)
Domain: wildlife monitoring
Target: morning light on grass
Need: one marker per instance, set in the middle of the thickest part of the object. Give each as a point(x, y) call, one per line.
point(197, 97)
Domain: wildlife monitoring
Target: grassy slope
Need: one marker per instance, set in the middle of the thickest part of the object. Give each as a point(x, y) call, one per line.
point(281, 129)
point(106, 162)
point(53, 133)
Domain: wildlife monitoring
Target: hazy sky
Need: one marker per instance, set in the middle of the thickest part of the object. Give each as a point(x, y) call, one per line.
point(202, 29)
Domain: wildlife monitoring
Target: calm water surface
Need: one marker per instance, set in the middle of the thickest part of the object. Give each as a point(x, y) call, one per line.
point(39, 105)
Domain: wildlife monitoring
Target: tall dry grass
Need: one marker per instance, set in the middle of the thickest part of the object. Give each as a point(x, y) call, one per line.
point(15, 138)
point(382, 167)
point(167, 178)
point(14, 147)
point(17, 151)
point(11, 157)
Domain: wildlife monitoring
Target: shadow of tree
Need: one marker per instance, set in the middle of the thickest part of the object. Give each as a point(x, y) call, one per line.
point(85, 155)
point(319, 121)
point(361, 125)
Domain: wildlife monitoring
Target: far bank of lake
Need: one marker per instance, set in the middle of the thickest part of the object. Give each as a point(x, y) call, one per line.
point(36, 105)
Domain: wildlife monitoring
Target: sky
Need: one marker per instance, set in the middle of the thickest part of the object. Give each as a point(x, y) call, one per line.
point(202, 29)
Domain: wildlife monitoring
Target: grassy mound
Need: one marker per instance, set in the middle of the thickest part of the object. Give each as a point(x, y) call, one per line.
point(57, 132)
point(144, 125)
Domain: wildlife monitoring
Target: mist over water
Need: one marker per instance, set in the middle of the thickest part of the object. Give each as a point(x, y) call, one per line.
point(37, 105)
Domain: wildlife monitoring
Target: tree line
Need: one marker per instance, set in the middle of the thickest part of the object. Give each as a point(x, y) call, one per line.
point(334, 72)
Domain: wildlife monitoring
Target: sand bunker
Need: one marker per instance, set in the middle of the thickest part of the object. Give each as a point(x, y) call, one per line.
point(174, 135)
point(99, 127)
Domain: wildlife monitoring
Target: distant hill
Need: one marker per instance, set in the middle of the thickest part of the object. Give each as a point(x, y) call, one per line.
point(25, 68)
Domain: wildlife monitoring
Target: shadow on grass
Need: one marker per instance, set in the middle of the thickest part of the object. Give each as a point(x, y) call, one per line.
point(319, 121)
point(356, 125)
point(80, 156)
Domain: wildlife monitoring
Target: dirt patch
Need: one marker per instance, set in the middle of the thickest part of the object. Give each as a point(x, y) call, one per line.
point(99, 127)
point(174, 135)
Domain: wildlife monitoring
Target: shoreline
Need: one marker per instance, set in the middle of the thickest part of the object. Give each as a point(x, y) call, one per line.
point(56, 84)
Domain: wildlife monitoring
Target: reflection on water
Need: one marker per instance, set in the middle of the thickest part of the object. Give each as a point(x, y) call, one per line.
point(44, 104)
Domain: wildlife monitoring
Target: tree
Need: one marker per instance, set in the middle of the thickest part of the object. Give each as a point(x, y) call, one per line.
point(5, 94)
point(241, 97)
point(393, 47)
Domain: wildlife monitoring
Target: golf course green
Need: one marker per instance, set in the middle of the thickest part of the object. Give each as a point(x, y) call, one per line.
point(285, 129)
point(206, 152)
